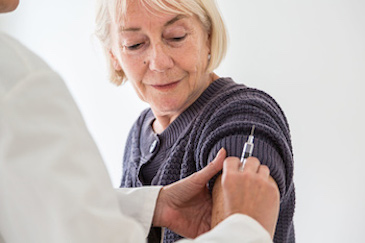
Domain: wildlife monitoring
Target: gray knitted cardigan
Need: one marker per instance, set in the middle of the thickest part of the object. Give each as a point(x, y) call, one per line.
point(221, 117)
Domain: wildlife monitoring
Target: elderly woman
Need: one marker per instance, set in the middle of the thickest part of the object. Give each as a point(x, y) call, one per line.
point(168, 50)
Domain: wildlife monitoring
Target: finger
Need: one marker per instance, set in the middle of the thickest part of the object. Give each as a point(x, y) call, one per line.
point(231, 164)
point(272, 181)
point(213, 167)
point(275, 185)
point(252, 165)
point(264, 171)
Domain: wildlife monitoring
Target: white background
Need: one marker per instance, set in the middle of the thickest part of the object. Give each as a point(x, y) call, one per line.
point(309, 55)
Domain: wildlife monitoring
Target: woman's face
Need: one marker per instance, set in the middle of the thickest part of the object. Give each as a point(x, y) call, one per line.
point(164, 56)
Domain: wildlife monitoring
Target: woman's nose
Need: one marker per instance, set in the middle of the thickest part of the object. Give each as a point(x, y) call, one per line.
point(160, 59)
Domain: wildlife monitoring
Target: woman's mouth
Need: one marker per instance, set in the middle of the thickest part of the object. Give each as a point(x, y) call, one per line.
point(166, 87)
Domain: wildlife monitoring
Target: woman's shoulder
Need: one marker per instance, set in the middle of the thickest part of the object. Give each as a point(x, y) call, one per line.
point(233, 98)
point(235, 110)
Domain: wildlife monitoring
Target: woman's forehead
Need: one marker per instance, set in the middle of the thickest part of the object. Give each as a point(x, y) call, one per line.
point(136, 17)
point(150, 9)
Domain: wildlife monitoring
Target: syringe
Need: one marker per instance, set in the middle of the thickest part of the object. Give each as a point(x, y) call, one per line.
point(247, 148)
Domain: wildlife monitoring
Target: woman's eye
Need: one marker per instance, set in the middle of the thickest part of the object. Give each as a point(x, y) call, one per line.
point(133, 47)
point(178, 38)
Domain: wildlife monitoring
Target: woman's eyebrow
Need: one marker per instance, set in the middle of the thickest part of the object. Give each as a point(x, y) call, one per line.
point(122, 29)
point(170, 22)
point(173, 20)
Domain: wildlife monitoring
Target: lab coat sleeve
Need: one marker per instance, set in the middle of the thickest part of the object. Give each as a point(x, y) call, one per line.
point(236, 228)
point(139, 204)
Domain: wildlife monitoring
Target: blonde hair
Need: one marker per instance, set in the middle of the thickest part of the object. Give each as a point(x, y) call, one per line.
point(109, 11)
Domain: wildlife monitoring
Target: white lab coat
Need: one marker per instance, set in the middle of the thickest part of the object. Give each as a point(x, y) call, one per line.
point(53, 184)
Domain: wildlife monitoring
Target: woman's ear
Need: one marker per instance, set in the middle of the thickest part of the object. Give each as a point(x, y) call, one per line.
point(114, 61)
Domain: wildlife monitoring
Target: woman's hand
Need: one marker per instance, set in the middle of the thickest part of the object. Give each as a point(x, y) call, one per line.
point(185, 206)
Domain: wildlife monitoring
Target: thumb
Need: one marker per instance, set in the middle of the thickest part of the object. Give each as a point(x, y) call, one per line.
point(205, 174)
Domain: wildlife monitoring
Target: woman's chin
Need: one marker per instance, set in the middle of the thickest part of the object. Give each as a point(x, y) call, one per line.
point(167, 107)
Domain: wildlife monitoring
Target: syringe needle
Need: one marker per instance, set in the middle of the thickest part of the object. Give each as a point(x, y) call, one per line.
point(252, 130)
point(248, 147)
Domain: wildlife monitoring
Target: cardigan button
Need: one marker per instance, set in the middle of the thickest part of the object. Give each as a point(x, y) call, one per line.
point(153, 146)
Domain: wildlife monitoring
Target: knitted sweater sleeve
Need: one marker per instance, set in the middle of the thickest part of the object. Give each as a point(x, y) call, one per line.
point(227, 123)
